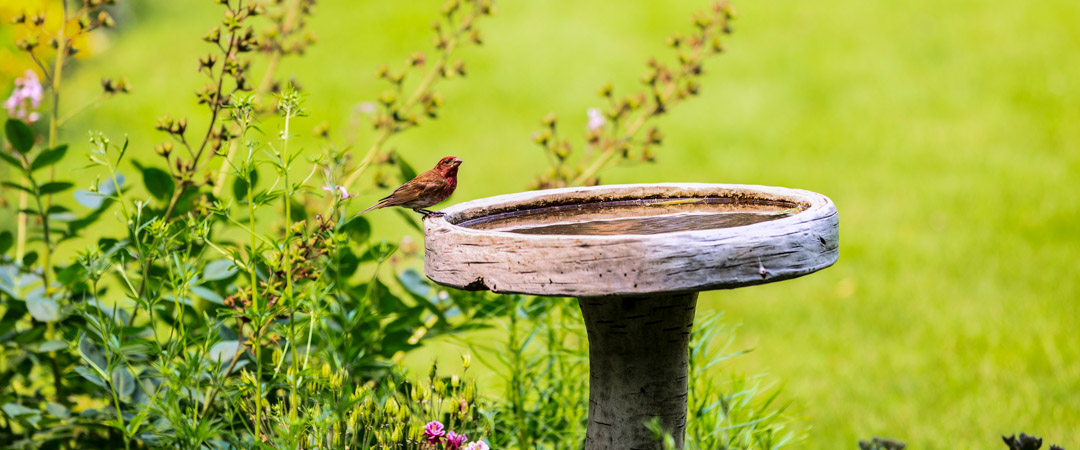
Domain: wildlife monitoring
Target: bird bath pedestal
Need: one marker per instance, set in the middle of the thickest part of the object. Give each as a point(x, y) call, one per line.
point(635, 256)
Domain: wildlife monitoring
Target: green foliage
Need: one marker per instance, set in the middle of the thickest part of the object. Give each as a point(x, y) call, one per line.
point(271, 317)
point(19, 135)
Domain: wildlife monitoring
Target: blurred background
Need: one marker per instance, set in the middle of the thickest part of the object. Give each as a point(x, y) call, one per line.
point(947, 134)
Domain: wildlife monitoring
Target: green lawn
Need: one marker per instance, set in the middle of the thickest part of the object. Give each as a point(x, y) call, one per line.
point(947, 133)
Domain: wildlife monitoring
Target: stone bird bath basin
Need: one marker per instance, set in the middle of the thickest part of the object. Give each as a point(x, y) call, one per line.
point(635, 256)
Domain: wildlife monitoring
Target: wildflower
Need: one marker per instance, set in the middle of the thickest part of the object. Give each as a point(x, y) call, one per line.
point(454, 440)
point(331, 187)
point(596, 119)
point(478, 445)
point(27, 90)
point(434, 432)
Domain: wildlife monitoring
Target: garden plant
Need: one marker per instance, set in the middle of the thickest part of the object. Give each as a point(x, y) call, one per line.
point(226, 294)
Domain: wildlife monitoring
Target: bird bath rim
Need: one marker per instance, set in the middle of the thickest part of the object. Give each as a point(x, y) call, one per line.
point(679, 261)
point(472, 210)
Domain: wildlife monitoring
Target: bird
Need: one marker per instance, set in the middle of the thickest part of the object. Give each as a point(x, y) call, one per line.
point(427, 189)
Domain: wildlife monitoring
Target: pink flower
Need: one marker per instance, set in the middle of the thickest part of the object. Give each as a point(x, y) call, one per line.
point(340, 189)
point(478, 445)
point(596, 118)
point(454, 440)
point(434, 432)
point(27, 90)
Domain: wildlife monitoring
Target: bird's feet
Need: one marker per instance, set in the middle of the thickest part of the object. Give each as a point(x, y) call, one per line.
point(429, 213)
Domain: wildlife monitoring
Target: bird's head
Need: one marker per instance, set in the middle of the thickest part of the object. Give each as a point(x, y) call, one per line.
point(448, 166)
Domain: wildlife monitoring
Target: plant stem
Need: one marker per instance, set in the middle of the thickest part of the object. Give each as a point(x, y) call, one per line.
point(255, 308)
point(287, 252)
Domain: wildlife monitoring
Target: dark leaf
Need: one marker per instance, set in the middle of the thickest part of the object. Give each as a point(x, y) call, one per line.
point(11, 160)
point(186, 202)
point(240, 186)
point(14, 185)
point(29, 259)
point(5, 241)
point(158, 182)
point(19, 135)
point(49, 157)
point(407, 172)
point(297, 211)
point(358, 228)
point(54, 187)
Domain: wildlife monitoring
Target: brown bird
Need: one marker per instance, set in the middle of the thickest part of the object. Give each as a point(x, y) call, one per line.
point(427, 189)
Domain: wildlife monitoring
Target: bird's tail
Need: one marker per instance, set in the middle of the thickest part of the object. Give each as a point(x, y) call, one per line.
point(375, 206)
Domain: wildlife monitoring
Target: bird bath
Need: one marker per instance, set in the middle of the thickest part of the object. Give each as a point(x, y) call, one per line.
point(635, 256)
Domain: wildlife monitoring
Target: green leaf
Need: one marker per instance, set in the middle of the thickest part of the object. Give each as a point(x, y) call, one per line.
point(22, 413)
point(90, 375)
point(11, 160)
point(19, 135)
point(358, 228)
point(219, 270)
point(48, 157)
point(407, 172)
point(240, 186)
point(158, 182)
point(207, 294)
point(52, 346)
point(29, 259)
point(41, 307)
point(14, 185)
point(92, 355)
point(54, 187)
point(223, 351)
point(5, 241)
point(57, 410)
point(123, 382)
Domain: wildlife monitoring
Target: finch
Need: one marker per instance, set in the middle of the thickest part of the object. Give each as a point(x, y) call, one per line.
point(427, 189)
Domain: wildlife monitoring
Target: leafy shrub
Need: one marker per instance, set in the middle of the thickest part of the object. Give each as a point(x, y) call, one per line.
point(238, 304)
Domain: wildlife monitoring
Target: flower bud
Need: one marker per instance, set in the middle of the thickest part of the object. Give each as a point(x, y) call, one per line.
point(213, 36)
point(388, 98)
point(466, 360)
point(105, 20)
point(391, 407)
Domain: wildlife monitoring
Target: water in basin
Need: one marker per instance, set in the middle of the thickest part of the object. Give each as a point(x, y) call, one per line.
point(640, 216)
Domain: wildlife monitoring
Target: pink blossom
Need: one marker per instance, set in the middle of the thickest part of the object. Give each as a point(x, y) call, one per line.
point(27, 90)
point(454, 440)
point(434, 432)
point(596, 118)
point(478, 445)
point(340, 189)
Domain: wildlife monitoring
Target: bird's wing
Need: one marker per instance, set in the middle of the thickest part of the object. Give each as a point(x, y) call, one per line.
point(424, 184)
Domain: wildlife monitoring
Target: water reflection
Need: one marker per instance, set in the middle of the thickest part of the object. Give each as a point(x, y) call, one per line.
point(633, 217)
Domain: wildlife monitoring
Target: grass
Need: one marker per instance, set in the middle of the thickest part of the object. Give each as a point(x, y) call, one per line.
point(947, 134)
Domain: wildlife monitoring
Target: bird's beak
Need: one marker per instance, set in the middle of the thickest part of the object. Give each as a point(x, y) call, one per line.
point(457, 162)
